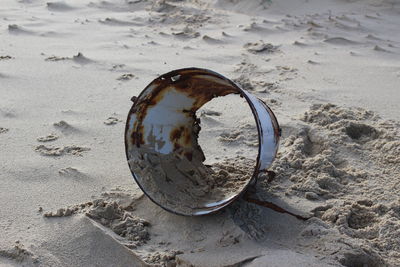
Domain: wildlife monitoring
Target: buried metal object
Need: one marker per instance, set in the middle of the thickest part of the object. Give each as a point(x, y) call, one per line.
point(161, 141)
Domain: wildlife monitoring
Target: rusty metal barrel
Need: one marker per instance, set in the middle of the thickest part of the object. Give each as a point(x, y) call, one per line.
point(162, 148)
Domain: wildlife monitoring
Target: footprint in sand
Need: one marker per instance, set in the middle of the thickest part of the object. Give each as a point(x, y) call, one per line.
point(65, 127)
point(71, 172)
point(60, 151)
point(47, 138)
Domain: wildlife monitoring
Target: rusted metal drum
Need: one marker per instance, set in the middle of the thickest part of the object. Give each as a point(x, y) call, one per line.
point(161, 141)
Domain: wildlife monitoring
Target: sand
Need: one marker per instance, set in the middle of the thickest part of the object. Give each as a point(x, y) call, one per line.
point(328, 69)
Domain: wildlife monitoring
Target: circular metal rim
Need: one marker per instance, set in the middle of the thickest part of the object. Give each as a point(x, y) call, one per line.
point(243, 93)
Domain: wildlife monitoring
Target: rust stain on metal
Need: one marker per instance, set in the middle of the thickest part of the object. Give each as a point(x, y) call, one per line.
point(196, 84)
point(183, 139)
point(138, 136)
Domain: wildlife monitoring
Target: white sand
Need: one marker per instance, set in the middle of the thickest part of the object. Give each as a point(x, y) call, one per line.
point(69, 68)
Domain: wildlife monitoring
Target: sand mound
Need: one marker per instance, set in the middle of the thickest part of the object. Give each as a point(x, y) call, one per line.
point(347, 159)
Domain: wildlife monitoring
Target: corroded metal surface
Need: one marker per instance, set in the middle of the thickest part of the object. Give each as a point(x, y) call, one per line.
point(162, 147)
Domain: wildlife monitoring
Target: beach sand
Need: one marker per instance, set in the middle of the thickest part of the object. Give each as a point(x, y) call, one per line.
point(328, 69)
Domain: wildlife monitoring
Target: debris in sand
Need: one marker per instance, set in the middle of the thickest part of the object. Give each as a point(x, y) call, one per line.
point(60, 151)
point(47, 138)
